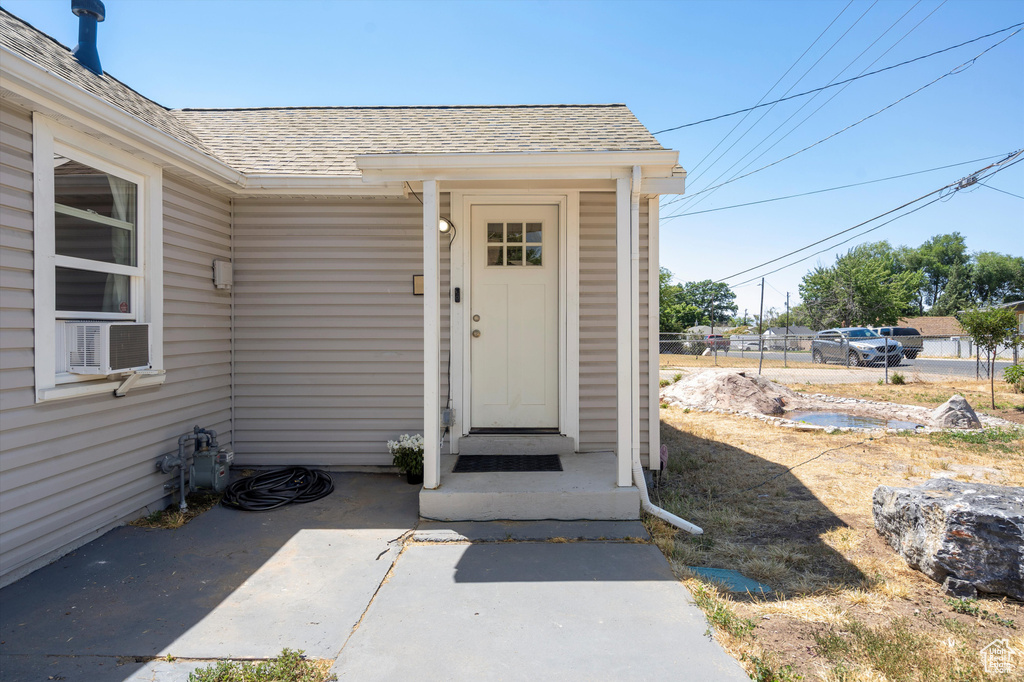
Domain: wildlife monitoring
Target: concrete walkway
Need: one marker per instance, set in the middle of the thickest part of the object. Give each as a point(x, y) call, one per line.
point(344, 579)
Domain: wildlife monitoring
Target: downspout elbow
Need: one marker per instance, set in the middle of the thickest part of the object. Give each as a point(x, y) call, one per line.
point(647, 506)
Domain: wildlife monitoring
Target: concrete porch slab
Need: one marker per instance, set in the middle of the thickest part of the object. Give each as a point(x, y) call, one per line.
point(521, 531)
point(516, 444)
point(585, 489)
point(227, 584)
point(534, 611)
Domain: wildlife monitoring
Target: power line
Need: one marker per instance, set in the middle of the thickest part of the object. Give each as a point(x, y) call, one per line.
point(1001, 190)
point(959, 184)
point(832, 189)
point(788, 90)
point(829, 248)
point(955, 70)
point(833, 85)
point(835, 94)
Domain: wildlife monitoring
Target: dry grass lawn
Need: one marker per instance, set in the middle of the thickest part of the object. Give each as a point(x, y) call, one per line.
point(845, 606)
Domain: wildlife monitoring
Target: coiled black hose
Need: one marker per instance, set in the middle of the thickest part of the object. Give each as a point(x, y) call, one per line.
point(276, 488)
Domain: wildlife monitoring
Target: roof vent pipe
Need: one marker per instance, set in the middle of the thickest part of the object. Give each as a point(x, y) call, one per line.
point(88, 12)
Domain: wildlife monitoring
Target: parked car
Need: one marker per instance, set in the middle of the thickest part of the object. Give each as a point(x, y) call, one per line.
point(854, 346)
point(716, 342)
point(911, 339)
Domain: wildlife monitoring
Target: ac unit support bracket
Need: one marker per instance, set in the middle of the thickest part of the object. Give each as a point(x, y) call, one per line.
point(132, 379)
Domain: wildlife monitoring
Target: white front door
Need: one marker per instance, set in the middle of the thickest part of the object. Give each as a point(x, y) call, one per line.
point(514, 317)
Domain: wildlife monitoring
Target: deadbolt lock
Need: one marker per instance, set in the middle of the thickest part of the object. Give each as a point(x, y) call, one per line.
point(476, 333)
point(476, 318)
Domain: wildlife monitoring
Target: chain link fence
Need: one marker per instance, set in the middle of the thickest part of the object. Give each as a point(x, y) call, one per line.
point(819, 359)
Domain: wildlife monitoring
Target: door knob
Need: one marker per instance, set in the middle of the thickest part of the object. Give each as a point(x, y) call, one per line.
point(476, 333)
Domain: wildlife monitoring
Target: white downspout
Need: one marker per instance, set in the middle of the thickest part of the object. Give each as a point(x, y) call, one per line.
point(634, 303)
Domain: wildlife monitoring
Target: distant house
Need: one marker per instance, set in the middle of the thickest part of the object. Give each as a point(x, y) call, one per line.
point(933, 326)
point(1017, 307)
point(776, 337)
point(283, 276)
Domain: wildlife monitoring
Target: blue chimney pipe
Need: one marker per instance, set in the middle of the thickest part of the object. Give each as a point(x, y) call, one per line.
point(88, 12)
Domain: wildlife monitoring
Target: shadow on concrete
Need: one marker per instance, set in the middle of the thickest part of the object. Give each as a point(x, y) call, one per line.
point(561, 562)
point(193, 592)
point(710, 481)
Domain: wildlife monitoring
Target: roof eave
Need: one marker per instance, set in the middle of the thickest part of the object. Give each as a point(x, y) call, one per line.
point(658, 166)
point(54, 96)
point(46, 92)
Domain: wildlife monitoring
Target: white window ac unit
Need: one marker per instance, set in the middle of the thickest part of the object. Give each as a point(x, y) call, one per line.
point(107, 347)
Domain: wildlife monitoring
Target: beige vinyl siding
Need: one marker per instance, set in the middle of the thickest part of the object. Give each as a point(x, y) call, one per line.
point(329, 336)
point(597, 323)
point(73, 468)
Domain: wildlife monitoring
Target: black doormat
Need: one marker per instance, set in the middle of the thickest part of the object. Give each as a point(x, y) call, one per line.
point(466, 464)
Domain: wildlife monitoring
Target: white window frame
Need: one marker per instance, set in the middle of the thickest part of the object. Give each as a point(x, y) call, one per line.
point(48, 138)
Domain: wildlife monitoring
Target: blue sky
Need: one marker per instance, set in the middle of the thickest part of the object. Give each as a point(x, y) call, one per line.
point(672, 63)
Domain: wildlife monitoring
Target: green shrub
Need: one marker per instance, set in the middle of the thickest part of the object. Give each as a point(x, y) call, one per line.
point(290, 666)
point(1014, 376)
point(898, 379)
point(664, 382)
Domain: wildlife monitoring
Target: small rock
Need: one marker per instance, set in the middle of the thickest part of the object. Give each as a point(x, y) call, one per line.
point(964, 589)
point(955, 413)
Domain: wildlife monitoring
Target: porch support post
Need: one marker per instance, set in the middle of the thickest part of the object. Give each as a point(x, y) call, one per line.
point(431, 338)
point(623, 335)
point(653, 333)
point(634, 316)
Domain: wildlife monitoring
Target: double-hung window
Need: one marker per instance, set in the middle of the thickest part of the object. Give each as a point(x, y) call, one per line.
point(98, 250)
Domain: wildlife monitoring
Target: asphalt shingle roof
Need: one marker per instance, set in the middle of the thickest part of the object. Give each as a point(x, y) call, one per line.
point(325, 140)
point(31, 43)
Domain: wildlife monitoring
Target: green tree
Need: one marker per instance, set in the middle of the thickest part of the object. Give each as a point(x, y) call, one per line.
point(958, 294)
point(988, 278)
point(937, 258)
point(997, 277)
point(990, 328)
point(867, 286)
point(682, 306)
point(715, 300)
point(674, 314)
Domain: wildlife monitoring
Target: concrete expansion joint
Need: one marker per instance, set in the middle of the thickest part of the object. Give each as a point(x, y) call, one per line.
point(412, 542)
point(435, 537)
point(401, 541)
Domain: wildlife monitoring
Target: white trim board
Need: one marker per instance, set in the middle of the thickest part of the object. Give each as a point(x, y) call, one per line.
point(462, 203)
point(48, 137)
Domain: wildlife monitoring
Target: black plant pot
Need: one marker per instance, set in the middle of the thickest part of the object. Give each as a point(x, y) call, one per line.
point(413, 479)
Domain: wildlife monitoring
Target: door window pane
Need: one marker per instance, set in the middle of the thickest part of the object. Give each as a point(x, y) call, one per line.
point(533, 255)
point(495, 255)
point(496, 232)
point(515, 233)
point(515, 255)
point(92, 292)
point(534, 232)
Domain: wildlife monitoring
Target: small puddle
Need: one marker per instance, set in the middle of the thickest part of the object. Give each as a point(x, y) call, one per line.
point(841, 419)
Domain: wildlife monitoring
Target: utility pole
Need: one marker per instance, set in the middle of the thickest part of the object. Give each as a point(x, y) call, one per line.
point(760, 340)
point(714, 346)
point(785, 339)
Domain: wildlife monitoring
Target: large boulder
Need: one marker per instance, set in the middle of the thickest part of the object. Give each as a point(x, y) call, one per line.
point(968, 536)
point(955, 413)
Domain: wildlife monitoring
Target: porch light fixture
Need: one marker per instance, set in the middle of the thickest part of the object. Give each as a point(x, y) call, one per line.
point(444, 226)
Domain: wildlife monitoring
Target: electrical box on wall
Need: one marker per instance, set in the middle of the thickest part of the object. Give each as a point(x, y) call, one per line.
point(223, 276)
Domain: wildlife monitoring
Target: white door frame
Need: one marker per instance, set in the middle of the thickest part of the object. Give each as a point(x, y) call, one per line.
point(568, 204)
